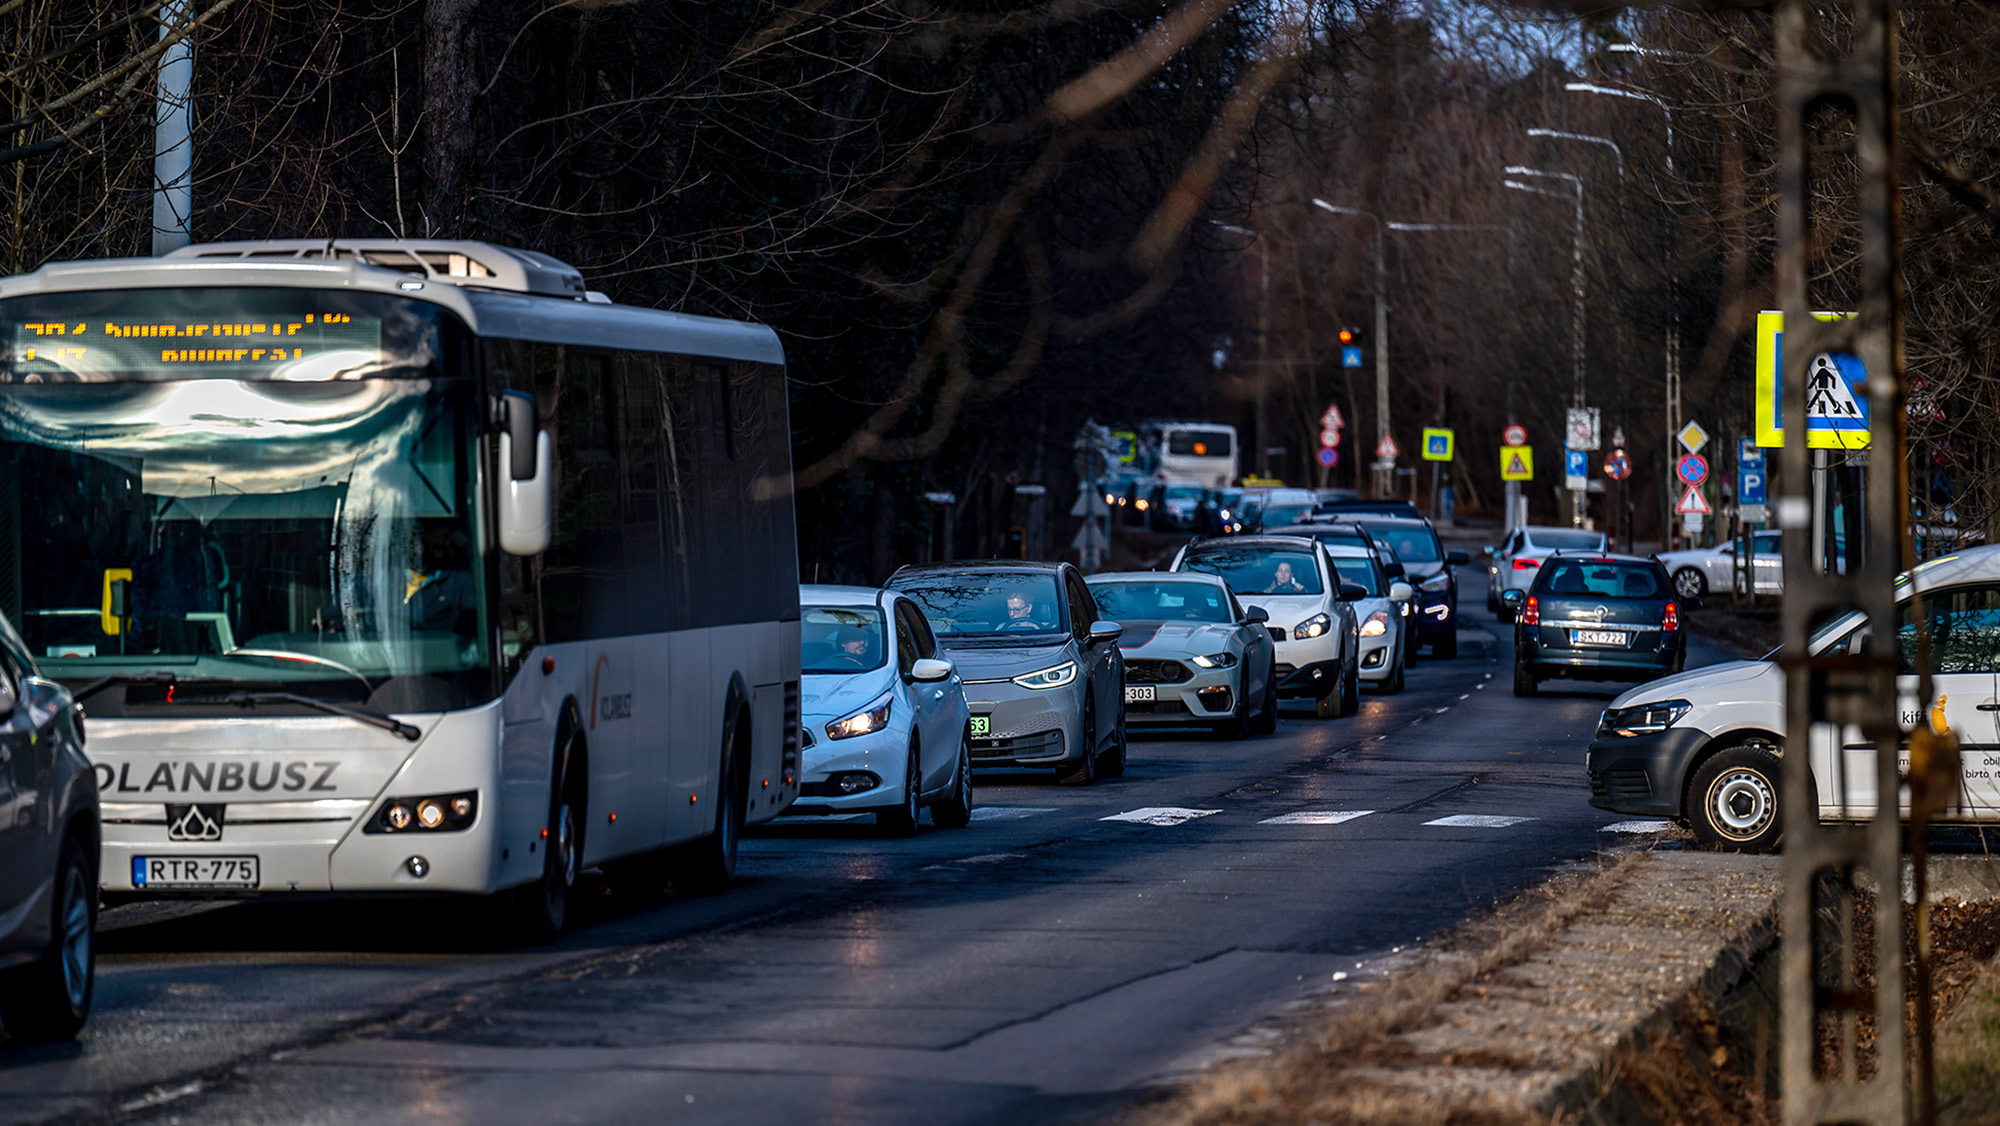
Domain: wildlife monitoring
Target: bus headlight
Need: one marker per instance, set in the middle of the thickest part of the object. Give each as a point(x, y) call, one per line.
point(439, 813)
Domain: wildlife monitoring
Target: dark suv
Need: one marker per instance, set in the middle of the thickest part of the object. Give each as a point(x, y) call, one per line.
point(1596, 617)
point(48, 854)
point(1428, 567)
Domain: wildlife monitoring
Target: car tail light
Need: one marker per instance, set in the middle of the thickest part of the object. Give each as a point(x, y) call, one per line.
point(1526, 564)
point(1672, 619)
point(1531, 611)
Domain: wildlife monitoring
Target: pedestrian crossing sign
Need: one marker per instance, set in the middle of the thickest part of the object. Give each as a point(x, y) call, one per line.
point(1517, 463)
point(1836, 391)
point(1437, 444)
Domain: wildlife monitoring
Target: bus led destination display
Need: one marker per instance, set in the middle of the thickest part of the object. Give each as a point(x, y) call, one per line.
point(310, 346)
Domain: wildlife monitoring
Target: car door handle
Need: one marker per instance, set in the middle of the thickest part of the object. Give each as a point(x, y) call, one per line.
point(1990, 706)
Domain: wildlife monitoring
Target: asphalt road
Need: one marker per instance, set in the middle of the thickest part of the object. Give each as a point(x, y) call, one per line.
point(1037, 966)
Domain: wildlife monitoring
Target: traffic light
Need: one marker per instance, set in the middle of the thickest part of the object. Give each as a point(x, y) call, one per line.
point(1350, 336)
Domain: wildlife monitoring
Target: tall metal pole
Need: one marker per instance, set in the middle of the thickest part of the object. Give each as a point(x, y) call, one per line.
point(1385, 480)
point(1577, 318)
point(1263, 461)
point(173, 143)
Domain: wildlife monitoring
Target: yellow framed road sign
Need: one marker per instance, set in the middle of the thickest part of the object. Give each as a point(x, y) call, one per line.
point(1836, 389)
point(1517, 463)
point(1437, 444)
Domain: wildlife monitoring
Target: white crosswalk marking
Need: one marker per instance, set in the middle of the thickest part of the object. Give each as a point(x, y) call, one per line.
point(1008, 812)
point(1316, 817)
point(1636, 827)
point(1160, 815)
point(1477, 821)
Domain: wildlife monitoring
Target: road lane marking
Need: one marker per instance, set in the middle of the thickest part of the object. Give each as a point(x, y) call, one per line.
point(1009, 812)
point(1316, 817)
point(1636, 827)
point(1162, 815)
point(1477, 821)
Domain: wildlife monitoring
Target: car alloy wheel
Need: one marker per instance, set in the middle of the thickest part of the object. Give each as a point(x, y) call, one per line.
point(1690, 583)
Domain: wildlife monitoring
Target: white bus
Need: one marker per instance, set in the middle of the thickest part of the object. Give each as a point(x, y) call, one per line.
point(1194, 453)
point(401, 566)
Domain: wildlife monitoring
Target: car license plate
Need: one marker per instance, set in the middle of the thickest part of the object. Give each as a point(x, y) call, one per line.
point(1596, 637)
point(1138, 693)
point(194, 872)
point(982, 726)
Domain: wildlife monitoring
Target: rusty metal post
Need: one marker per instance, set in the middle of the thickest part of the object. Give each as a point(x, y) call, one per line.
point(1824, 693)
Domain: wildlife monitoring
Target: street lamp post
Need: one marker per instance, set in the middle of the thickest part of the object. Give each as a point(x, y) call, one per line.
point(1263, 336)
point(1384, 483)
point(1673, 349)
point(1576, 285)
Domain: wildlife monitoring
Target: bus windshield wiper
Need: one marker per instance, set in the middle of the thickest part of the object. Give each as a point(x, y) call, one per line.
point(347, 711)
point(117, 678)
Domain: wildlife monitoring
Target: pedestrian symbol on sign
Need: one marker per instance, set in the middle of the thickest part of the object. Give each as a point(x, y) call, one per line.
point(1828, 393)
point(1517, 463)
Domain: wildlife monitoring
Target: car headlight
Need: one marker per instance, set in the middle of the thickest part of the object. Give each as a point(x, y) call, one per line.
point(1216, 661)
point(1438, 583)
point(875, 717)
point(1642, 719)
point(1054, 677)
point(1312, 627)
point(1376, 625)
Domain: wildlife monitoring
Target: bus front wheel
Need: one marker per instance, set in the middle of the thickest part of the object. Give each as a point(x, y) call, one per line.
point(540, 908)
point(705, 866)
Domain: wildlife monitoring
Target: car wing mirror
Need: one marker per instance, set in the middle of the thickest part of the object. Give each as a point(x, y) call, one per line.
point(1401, 592)
point(1352, 592)
point(1101, 632)
point(1395, 570)
point(1513, 597)
point(1489, 551)
point(930, 670)
point(1256, 615)
point(1457, 558)
point(527, 485)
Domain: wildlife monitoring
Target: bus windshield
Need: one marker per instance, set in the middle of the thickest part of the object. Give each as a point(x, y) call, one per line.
point(311, 534)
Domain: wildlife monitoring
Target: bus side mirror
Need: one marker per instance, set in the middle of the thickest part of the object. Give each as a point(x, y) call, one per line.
point(527, 488)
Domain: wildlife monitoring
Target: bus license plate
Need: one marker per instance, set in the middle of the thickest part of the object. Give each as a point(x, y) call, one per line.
point(982, 726)
point(1597, 637)
point(194, 872)
point(1138, 693)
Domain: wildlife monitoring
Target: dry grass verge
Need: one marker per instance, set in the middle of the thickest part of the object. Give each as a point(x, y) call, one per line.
point(1316, 1081)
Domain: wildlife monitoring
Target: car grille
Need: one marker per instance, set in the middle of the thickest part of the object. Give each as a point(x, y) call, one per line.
point(1026, 746)
point(1143, 671)
point(1156, 707)
point(1628, 784)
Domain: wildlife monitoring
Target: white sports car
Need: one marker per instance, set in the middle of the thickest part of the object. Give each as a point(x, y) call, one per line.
point(1193, 653)
point(1699, 570)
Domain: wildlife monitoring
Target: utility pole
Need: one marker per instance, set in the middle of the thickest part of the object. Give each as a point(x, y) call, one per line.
point(173, 142)
point(1577, 318)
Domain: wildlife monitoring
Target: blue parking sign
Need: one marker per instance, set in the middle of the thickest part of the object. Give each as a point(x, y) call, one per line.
point(1750, 486)
point(1576, 463)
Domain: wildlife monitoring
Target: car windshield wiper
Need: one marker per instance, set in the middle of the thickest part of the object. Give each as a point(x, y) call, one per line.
point(347, 711)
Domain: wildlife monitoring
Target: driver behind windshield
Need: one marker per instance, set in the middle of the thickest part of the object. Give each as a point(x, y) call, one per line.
point(1021, 613)
point(439, 597)
point(1283, 582)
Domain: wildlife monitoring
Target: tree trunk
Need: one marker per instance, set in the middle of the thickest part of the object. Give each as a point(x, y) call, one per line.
point(449, 89)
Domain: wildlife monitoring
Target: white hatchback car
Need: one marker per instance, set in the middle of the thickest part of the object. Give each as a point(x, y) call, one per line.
point(1383, 615)
point(1699, 570)
point(1513, 564)
point(1310, 609)
point(884, 717)
point(1704, 746)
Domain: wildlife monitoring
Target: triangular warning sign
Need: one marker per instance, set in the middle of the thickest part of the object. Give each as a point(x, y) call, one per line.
point(1515, 465)
point(1829, 395)
point(1693, 503)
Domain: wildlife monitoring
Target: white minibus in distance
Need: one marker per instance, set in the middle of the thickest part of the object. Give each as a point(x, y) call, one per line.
point(1194, 453)
point(401, 566)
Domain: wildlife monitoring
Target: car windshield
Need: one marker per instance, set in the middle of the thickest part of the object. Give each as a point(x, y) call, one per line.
point(1359, 569)
point(976, 602)
point(1279, 514)
point(1594, 578)
point(1184, 492)
point(1563, 539)
point(1413, 544)
point(224, 515)
point(1140, 600)
point(1259, 570)
point(841, 639)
